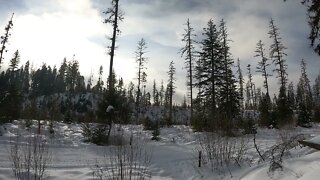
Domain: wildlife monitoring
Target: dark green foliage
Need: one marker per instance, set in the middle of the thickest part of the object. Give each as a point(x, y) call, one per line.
point(156, 133)
point(304, 98)
point(264, 111)
point(171, 90)
point(95, 134)
point(148, 124)
point(313, 13)
point(229, 96)
point(249, 125)
point(283, 111)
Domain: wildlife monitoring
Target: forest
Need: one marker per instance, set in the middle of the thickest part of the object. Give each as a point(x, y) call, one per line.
point(222, 98)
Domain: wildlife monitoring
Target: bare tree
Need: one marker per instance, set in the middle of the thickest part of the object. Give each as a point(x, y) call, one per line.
point(189, 52)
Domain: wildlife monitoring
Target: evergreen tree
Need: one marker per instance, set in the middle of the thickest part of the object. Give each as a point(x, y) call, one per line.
point(277, 55)
point(131, 92)
point(5, 38)
point(114, 15)
point(26, 78)
point(189, 52)
point(291, 97)
point(262, 65)
point(161, 94)
point(98, 87)
point(229, 96)
point(61, 82)
point(155, 94)
point(209, 71)
point(171, 88)
point(241, 90)
point(11, 99)
point(316, 98)
point(313, 13)
point(141, 61)
point(265, 101)
point(304, 98)
point(250, 90)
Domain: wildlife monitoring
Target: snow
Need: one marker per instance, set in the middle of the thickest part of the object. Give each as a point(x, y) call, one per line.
point(173, 157)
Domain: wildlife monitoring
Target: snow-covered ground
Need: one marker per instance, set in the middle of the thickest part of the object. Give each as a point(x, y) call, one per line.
point(173, 157)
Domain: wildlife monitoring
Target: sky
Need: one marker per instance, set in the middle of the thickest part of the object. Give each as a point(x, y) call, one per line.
point(46, 31)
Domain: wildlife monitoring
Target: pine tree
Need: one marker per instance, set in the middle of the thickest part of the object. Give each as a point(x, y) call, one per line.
point(189, 52)
point(26, 78)
point(99, 86)
point(141, 60)
point(291, 96)
point(241, 90)
point(313, 13)
point(171, 88)
point(277, 55)
point(265, 101)
point(155, 94)
point(250, 90)
point(208, 70)
point(316, 98)
point(5, 38)
point(304, 98)
point(114, 15)
point(61, 77)
point(161, 94)
point(229, 96)
point(262, 65)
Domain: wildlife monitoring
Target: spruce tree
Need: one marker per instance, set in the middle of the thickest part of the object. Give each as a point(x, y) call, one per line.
point(263, 65)
point(241, 89)
point(229, 95)
point(316, 98)
point(171, 89)
point(304, 98)
point(313, 13)
point(161, 94)
point(208, 73)
point(141, 60)
point(265, 102)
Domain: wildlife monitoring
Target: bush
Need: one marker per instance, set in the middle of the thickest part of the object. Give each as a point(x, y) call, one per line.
point(96, 134)
point(125, 161)
point(30, 161)
point(219, 152)
point(156, 133)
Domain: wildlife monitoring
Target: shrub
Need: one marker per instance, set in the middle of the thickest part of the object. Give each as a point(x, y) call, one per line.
point(125, 161)
point(30, 161)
